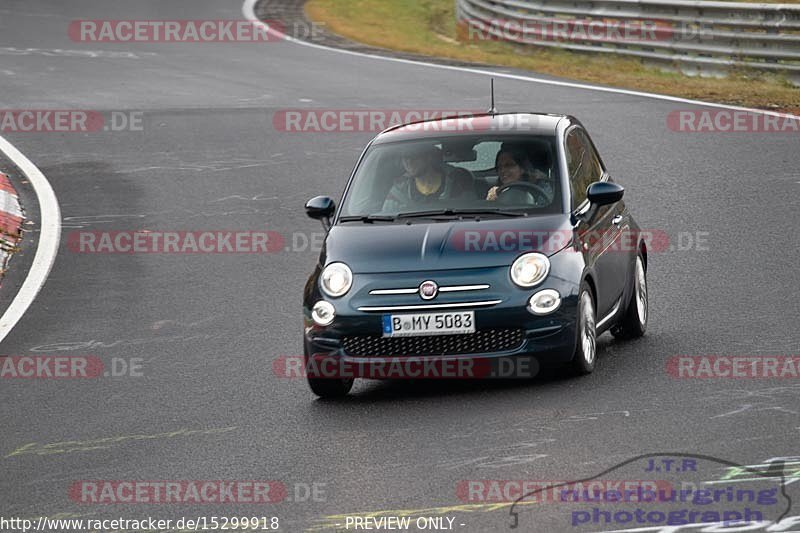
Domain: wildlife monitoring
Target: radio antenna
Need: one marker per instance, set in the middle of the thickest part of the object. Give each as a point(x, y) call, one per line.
point(492, 109)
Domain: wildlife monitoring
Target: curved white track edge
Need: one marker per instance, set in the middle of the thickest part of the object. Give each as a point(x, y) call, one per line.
point(248, 9)
point(49, 238)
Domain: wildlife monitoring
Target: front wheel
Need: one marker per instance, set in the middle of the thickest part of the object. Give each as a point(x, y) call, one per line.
point(634, 323)
point(325, 383)
point(330, 387)
point(583, 361)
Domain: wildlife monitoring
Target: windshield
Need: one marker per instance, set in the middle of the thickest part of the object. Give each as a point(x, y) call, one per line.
point(452, 176)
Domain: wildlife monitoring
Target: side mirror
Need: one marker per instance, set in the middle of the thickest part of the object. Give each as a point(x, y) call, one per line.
point(321, 208)
point(604, 193)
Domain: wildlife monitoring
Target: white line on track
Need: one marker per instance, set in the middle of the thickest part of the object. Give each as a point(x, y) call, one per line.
point(49, 237)
point(248, 9)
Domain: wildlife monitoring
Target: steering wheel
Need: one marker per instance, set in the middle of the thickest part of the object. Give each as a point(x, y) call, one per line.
point(540, 197)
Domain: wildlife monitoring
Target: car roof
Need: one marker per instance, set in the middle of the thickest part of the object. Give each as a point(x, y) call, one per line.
point(516, 123)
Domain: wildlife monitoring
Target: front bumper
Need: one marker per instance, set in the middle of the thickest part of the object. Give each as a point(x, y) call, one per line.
point(549, 338)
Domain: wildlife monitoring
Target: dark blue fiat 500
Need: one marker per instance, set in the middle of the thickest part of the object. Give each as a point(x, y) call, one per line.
point(497, 236)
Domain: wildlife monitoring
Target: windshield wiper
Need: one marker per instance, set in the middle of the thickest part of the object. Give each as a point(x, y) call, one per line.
point(452, 213)
point(461, 212)
point(367, 218)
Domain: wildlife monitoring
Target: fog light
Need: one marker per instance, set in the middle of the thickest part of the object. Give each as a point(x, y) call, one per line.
point(323, 313)
point(544, 302)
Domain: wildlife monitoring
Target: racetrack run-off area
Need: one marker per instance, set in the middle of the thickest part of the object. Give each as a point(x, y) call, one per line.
point(179, 349)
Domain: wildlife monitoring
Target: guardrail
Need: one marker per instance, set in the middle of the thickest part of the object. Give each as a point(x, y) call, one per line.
point(691, 36)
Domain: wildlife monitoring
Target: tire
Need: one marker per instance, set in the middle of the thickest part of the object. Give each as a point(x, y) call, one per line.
point(331, 387)
point(585, 358)
point(634, 323)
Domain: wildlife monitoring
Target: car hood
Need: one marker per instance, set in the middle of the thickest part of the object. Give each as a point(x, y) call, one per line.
point(441, 245)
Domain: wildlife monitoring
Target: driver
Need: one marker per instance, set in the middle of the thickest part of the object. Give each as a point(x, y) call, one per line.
point(513, 165)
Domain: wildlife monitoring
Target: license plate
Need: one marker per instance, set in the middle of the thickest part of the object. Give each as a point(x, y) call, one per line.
point(448, 323)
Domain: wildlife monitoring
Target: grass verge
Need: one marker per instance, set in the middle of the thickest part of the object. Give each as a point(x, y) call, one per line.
point(429, 27)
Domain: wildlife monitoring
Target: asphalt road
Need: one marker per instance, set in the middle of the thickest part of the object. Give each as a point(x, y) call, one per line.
point(208, 327)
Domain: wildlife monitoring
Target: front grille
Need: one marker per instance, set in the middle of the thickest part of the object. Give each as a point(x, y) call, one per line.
point(483, 341)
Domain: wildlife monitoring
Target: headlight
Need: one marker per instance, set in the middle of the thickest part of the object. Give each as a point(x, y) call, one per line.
point(336, 280)
point(529, 270)
point(323, 313)
point(544, 302)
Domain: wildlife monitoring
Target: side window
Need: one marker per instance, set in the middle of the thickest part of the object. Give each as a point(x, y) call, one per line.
point(583, 165)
